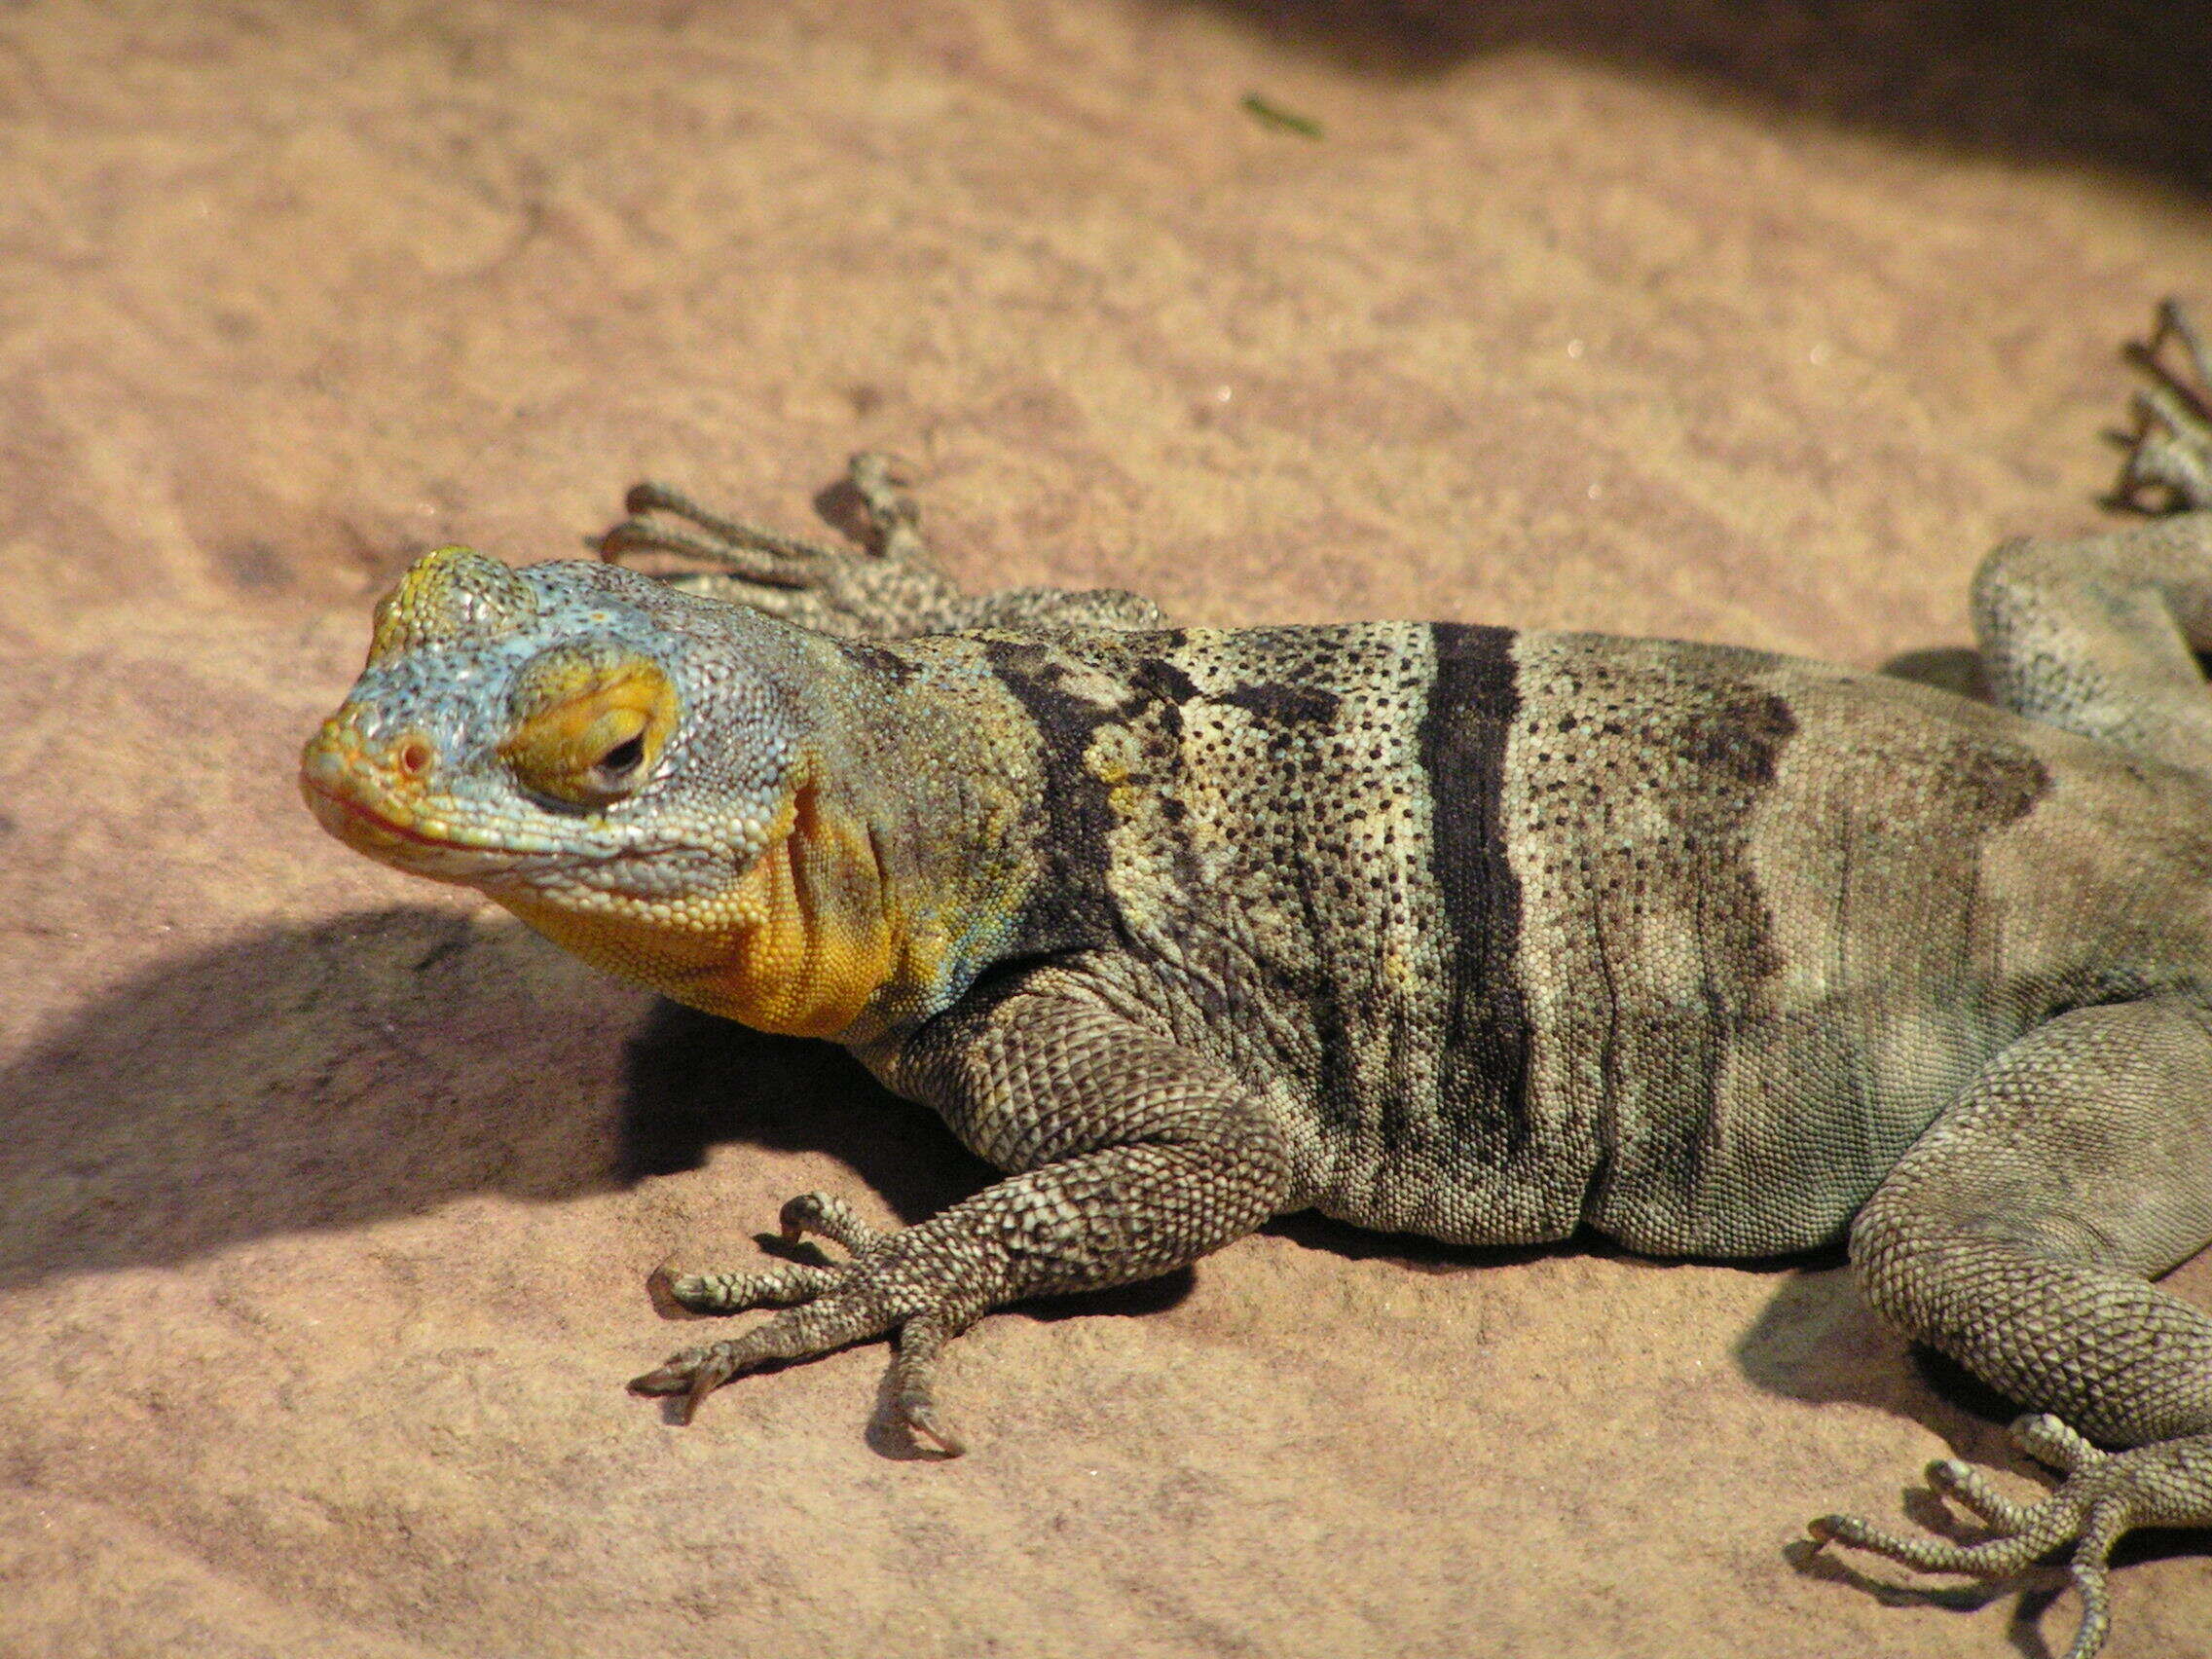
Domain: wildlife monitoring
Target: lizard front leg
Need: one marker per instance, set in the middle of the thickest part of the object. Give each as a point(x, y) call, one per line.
point(889, 589)
point(2018, 1237)
point(1133, 1157)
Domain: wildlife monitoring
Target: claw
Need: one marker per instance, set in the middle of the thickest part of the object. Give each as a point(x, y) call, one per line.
point(919, 1418)
point(703, 1382)
point(666, 1379)
point(695, 1372)
point(644, 496)
point(660, 1289)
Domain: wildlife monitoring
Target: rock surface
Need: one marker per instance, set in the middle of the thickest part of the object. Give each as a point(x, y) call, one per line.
point(326, 1200)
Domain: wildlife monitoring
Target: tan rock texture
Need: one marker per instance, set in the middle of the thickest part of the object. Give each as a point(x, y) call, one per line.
point(326, 1200)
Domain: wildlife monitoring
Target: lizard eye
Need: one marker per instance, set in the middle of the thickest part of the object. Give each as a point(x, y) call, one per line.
point(622, 759)
point(589, 721)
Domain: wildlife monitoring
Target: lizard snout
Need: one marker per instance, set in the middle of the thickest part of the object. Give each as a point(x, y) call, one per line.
point(371, 789)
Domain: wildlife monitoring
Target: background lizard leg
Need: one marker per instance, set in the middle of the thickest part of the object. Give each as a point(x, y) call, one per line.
point(2098, 635)
point(890, 588)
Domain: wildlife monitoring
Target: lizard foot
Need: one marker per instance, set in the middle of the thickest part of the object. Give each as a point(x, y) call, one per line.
point(2168, 466)
point(2166, 1484)
point(827, 1307)
point(887, 586)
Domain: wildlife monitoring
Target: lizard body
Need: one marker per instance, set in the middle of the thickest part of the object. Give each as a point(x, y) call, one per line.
point(1439, 928)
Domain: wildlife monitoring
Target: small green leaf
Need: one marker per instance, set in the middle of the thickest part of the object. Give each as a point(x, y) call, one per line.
point(1282, 120)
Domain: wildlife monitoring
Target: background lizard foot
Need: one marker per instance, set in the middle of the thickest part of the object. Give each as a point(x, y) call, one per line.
point(889, 585)
point(2169, 454)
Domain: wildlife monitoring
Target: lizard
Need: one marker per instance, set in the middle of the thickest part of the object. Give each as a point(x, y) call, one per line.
point(1442, 928)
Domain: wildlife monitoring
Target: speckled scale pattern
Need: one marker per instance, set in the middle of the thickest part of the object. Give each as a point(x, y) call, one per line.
point(1249, 811)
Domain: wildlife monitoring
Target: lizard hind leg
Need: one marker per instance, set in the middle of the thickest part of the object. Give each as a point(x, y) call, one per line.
point(2102, 634)
point(2019, 1235)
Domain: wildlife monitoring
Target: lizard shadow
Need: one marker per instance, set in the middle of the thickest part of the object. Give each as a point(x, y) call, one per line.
point(382, 1063)
point(301, 1078)
point(1816, 1339)
point(2113, 83)
point(1315, 1230)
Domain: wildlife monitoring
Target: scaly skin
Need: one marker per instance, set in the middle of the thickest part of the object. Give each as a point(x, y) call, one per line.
point(1440, 928)
point(2169, 454)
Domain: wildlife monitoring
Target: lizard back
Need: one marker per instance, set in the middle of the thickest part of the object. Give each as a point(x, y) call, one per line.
point(1526, 930)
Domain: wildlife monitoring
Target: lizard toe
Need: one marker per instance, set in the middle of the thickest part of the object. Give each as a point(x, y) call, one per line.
point(1971, 1487)
point(830, 1217)
point(785, 1286)
point(834, 1321)
point(2049, 1441)
point(912, 1406)
point(694, 1371)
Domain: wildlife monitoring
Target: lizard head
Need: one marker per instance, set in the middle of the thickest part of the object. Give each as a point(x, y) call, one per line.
point(625, 766)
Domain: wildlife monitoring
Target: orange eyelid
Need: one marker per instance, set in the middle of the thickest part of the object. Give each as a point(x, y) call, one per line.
point(573, 708)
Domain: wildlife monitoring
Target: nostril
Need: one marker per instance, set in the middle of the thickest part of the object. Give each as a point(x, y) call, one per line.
point(413, 756)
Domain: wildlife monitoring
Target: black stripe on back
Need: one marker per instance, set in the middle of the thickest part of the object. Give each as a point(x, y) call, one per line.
point(1472, 703)
point(1073, 906)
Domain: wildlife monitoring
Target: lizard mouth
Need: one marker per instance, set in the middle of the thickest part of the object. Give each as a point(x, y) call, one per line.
point(387, 830)
point(350, 820)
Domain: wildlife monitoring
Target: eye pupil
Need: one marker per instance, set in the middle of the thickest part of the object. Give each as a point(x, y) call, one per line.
point(624, 756)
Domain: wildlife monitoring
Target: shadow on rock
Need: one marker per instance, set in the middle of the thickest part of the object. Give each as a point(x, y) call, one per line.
point(382, 1064)
point(1817, 1339)
point(2117, 84)
point(693, 1081)
point(1947, 668)
point(1314, 1230)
